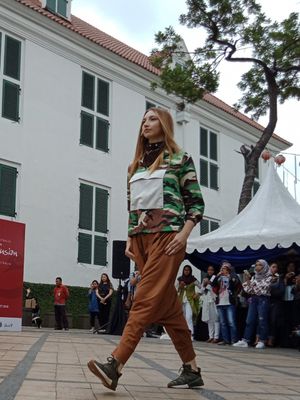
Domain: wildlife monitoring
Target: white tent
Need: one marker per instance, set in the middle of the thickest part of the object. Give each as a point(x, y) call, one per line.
point(272, 219)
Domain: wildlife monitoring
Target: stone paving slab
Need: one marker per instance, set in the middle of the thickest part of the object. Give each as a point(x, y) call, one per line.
point(48, 364)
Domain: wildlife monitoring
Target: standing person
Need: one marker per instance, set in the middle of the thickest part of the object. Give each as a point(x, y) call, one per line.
point(259, 287)
point(228, 287)
point(186, 285)
point(165, 203)
point(93, 305)
point(276, 314)
point(61, 295)
point(288, 303)
point(209, 309)
point(104, 293)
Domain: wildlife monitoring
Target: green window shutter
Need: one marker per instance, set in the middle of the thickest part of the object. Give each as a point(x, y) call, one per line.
point(88, 91)
point(86, 206)
point(204, 226)
point(102, 134)
point(203, 173)
point(51, 5)
point(214, 225)
point(149, 105)
point(84, 248)
point(8, 180)
point(62, 7)
point(86, 129)
point(101, 210)
point(203, 142)
point(12, 57)
point(100, 250)
point(213, 176)
point(10, 100)
point(103, 97)
point(213, 149)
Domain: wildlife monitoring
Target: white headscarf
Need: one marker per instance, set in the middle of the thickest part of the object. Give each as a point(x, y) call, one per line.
point(264, 273)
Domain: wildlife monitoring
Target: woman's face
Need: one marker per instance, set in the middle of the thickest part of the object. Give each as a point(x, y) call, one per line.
point(186, 271)
point(104, 278)
point(274, 269)
point(224, 270)
point(151, 128)
point(258, 266)
point(210, 270)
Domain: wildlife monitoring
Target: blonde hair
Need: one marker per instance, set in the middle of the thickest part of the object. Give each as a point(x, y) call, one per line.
point(167, 127)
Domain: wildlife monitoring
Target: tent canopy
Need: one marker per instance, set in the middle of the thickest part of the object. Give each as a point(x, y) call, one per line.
point(268, 226)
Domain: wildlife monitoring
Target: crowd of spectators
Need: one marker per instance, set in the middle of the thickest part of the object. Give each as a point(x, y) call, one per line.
point(260, 307)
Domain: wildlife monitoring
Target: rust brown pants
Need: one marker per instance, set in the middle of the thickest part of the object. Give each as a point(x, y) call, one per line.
point(156, 299)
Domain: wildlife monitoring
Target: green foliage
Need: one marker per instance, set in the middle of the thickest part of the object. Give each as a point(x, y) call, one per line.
point(76, 305)
point(236, 31)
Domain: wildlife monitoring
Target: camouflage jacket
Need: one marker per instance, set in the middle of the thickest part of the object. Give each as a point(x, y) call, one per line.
point(181, 198)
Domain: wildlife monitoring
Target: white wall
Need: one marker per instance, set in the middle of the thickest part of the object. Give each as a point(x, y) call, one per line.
point(51, 162)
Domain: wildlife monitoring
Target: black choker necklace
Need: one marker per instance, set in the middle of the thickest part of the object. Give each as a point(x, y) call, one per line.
point(151, 152)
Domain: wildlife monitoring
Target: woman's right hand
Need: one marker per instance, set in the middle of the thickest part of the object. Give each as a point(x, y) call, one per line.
point(128, 251)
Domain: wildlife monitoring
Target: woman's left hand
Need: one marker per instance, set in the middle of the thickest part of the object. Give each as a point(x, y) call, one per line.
point(177, 244)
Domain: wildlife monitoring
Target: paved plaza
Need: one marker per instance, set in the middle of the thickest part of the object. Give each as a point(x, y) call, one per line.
point(48, 364)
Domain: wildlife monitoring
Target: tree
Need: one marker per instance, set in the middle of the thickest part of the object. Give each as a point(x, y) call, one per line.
point(236, 31)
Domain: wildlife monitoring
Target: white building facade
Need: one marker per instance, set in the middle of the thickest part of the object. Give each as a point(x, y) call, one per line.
point(70, 114)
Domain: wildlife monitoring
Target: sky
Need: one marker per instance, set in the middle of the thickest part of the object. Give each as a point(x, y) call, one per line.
point(135, 23)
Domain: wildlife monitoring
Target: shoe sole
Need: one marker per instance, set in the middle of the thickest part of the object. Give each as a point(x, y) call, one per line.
point(106, 381)
point(196, 383)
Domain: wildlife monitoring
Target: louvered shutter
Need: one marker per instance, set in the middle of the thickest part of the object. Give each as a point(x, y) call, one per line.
point(62, 7)
point(51, 5)
point(88, 91)
point(100, 250)
point(103, 97)
point(204, 226)
point(213, 176)
point(84, 248)
point(149, 105)
point(204, 173)
point(101, 205)
point(213, 149)
point(10, 100)
point(8, 179)
point(12, 58)
point(214, 225)
point(203, 142)
point(86, 206)
point(86, 129)
point(102, 134)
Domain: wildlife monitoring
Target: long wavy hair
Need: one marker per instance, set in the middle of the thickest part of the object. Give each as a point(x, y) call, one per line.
point(167, 127)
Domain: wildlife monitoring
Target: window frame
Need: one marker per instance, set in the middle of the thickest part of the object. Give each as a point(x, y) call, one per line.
point(18, 83)
point(92, 112)
point(55, 10)
point(17, 168)
point(205, 156)
point(209, 221)
point(94, 232)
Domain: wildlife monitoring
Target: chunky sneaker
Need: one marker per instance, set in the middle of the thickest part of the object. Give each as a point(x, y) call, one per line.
point(241, 343)
point(187, 377)
point(107, 373)
point(260, 345)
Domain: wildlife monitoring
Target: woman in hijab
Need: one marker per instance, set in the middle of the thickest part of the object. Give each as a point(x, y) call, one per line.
point(186, 285)
point(258, 287)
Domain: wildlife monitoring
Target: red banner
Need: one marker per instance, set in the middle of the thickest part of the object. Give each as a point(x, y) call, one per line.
point(12, 237)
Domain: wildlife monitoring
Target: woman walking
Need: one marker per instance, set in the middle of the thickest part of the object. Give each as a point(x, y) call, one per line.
point(165, 203)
